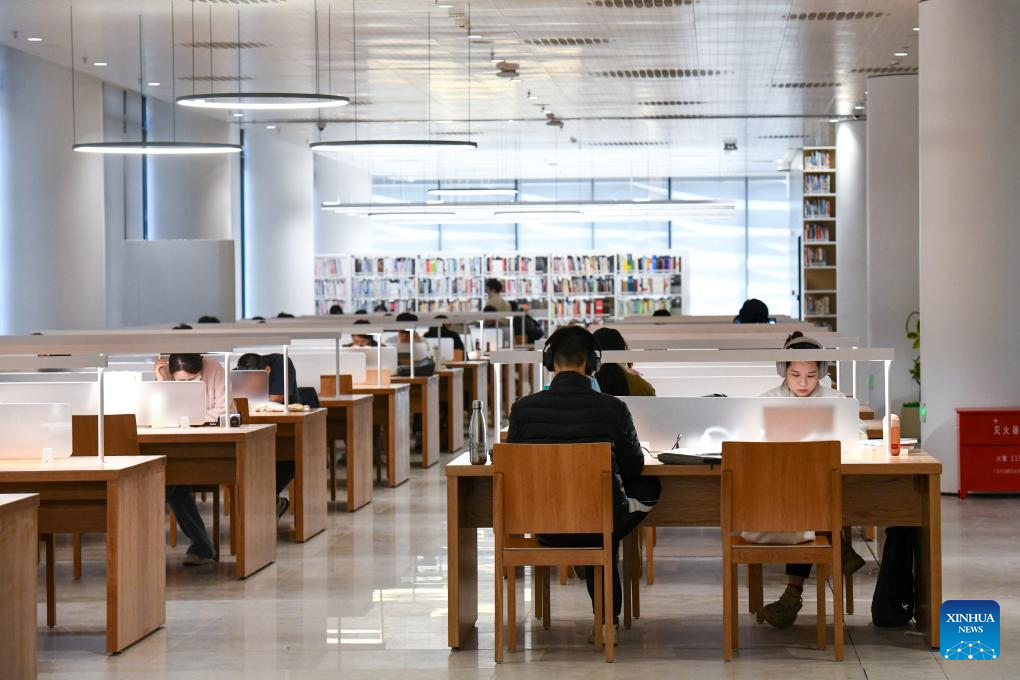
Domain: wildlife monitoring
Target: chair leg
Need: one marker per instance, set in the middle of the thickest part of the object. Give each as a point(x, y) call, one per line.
point(511, 608)
point(536, 590)
point(232, 523)
point(837, 612)
point(51, 582)
point(729, 595)
point(650, 538)
point(629, 565)
point(332, 472)
point(821, 575)
point(226, 499)
point(848, 584)
point(563, 574)
point(546, 596)
point(216, 520)
point(173, 528)
point(607, 603)
point(735, 608)
point(755, 588)
point(499, 610)
point(599, 606)
point(76, 555)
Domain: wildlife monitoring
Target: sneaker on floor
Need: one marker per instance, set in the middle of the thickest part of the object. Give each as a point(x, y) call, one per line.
point(783, 612)
point(616, 634)
point(282, 504)
point(193, 560)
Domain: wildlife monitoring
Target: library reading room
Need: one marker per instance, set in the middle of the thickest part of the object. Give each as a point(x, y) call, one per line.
point(509, 339)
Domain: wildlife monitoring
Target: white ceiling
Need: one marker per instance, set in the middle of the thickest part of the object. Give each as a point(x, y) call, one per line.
point(736, 67)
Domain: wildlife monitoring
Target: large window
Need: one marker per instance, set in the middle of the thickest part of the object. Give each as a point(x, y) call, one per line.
point(749, 252)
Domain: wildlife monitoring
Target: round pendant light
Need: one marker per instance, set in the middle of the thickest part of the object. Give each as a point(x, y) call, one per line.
point(158, 148)
point(262, 101)
point(472, 191)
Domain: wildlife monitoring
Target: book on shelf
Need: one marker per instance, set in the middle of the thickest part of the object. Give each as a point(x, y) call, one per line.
point(817, 184)
point(650, 263)
point(330, 267)
point(815, 257)
point(818, 159)
point(644, 307)
point(583, 264)
point(818, 305)
point(817, 207)
point(817, 232)
point(452, 266)
point(651, 285)
point(390, 266)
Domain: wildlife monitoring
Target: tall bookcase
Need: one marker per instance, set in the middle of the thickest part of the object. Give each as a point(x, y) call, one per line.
point(818, 257)
point(555, 287)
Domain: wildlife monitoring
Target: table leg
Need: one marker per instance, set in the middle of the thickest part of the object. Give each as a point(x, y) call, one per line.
point(398, 438)
point(359, 455)
point(310, 476)
point(135, 555)
point(929, 560)
point(429, 422)
point(462, 566)
point(254, 515)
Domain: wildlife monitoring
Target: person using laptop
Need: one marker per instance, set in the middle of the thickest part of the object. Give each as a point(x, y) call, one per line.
point(445, 331)
point(572, 411)
point(181, 499)
point(801, 379)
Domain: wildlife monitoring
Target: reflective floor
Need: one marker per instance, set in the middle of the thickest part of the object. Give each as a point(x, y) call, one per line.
point(367, 599)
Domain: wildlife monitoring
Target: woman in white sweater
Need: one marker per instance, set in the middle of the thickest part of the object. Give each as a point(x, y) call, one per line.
point(804, 379)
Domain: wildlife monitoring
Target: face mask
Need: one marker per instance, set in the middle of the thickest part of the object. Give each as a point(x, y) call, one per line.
point(594, 383)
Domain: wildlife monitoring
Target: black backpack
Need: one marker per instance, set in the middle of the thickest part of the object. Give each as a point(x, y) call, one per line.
point(893, 601)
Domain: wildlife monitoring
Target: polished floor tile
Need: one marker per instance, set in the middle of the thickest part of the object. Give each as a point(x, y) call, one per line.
point(367, 600)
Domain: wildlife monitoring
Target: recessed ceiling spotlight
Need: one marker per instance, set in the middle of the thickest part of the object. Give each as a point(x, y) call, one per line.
point(270, 127)
point(901, 53)
point(153, 84)
point(859, 107)
point(100, 63)
point(834, 120)
point(511, 120)
point(533, 97)
point(443, 5)
point(917, 28)
point(237, 114)
point(34, 39)
point(475, 36)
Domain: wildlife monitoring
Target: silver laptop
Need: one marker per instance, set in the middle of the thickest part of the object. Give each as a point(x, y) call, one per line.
point(164, 403)
point(251, 385)
point(706, 422)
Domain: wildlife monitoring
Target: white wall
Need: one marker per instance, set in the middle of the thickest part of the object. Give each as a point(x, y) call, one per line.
point(52, 222)
point(338, 181)
point(893, 246)
point(279, 246)
point(969, 95)
point(851, 234)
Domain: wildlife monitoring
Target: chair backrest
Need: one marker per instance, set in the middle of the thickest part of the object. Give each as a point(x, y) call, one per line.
point(243, 410)
point(781, 486)
point(120, 435)
point(553, 488)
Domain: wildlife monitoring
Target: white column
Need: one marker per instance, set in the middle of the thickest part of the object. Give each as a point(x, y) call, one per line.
point(969, 95)
point(279, 241)
point(52, 227)
point(339, 181)
point(851, 235)
point(892, 230)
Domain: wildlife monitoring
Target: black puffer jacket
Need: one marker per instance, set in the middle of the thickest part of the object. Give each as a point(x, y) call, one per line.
point(570, 411)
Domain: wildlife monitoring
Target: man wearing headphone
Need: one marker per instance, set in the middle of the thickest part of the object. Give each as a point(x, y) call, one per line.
point(570, 411)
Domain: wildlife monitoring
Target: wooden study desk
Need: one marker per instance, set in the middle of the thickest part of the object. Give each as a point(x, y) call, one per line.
point(476, 382)
point(349, 417)
point(877, 490)
point(242, 458)
point(451, 393)
point(301, 437)
point(391, 414)
point(123, 497)
point(424, 400)
point(19, 550)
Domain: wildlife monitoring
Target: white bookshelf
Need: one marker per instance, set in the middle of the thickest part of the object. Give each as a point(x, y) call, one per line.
point(818, 249)
point(556, 287)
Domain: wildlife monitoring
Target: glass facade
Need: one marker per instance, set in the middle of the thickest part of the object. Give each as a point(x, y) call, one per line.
point(749, 253)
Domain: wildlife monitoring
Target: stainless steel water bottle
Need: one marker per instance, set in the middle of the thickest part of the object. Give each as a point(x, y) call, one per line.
point(478, 449)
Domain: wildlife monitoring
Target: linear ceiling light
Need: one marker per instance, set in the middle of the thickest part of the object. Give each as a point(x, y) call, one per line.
point(472, 192)
point(262, 101)
point(396, 146)
point(157, 148)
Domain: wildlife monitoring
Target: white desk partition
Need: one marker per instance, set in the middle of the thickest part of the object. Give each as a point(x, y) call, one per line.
point(706, 422)
point(490, 341)
point(445, 346)
point(700, 386)
point(82, 398)
point(310, 364)
point(252, 385)
point(163, 404)
point(690, 370)
point(30, 428)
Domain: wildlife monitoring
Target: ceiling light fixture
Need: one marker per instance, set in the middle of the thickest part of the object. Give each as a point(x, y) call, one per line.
point(917, 28)
point(270, 127)
point(144, 147)
point(153, 84)
point(398, 146)
point(238, 114)
point(834, 120)
point(100, 63)
point(34, 39)
point(472, 191)
point(901, 53)
point(475, 36)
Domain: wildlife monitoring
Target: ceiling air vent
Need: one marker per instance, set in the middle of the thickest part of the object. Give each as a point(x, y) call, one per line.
point(627, 144)
point(567, 42)
point(224, 44)
point(833, 16)
point(672, 116)
point(885, 69)
point(660, 73)
point(640, 4)
point(804, 86)
point(670, 102)
point(782, 137)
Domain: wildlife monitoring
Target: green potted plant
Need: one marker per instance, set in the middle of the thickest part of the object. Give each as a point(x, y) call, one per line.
point(910, 414)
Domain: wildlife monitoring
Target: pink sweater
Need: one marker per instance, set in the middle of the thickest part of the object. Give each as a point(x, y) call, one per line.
point(214, 378)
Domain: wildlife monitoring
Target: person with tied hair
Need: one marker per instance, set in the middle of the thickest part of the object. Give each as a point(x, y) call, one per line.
point(572, 411)
point(801, 379)
point(620, 380)
point(494, 296)
point(753, 311)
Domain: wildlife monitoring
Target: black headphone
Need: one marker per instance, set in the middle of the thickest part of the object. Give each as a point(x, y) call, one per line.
point(592, 363)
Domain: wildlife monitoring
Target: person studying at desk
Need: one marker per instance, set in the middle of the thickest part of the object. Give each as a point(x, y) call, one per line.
point(181, 499)
point(802, 379)
point(570, 411)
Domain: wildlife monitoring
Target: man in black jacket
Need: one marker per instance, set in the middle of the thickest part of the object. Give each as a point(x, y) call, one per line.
point(572, 411)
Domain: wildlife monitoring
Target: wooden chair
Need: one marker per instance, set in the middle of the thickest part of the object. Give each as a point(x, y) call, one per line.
point(782, 487)
point(529, 497)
